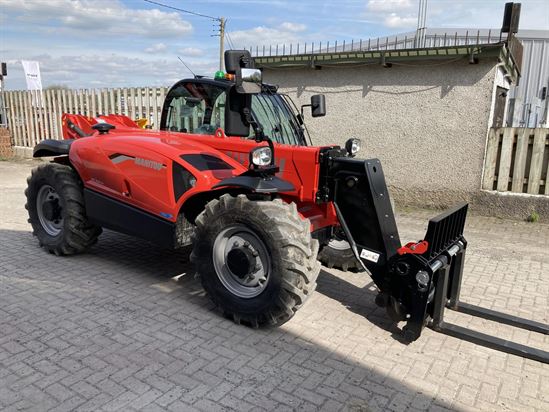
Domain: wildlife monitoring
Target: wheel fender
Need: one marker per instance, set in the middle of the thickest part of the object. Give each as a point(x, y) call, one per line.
point(258, 184)
point(50, 147)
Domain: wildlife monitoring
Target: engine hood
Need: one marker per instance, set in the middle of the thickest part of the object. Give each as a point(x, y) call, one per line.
point(168, 144)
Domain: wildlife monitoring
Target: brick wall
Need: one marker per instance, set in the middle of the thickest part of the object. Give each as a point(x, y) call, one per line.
point(6, 150)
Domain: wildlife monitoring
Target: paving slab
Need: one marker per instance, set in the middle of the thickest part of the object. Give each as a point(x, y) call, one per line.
point(127, 326)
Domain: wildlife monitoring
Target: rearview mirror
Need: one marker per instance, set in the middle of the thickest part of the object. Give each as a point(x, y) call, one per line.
point(318, 105)
point(236, 108)
point(248, 81)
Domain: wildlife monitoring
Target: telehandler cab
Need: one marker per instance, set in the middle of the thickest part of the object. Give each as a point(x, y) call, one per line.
point(231, 174)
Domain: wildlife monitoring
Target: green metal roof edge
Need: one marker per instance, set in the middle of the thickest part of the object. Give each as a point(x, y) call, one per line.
point(376, 56)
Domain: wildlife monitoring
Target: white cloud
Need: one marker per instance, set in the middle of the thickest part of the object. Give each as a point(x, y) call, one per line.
point(156, 48)
point(395, 21)
point(106, 70)
point(102, 18)
point(388, 5)
point(285, 33)
point(402, 14)
point(191, 52)
point(399, 14)
point(293, 27)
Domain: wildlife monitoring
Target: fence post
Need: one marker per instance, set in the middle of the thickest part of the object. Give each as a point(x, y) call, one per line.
point(490, 159)
point(54, 113)
point(48, 115)
point(148, 103)
point(69, 102)
point(106, 108)
point(19, 118)
point(534, 177)
point(112, 106)
point(82, 100)
point(133, 103)
point(154, 107)
point(24, 118)
point(28, 104)
point(58, 110)
point(77, 107)
point(118, 98)
point(87, 102)
point(9, 120)
point(505, 159)
point(125, 95)
point(38, 115)
point(33, 118)
point(519, 167)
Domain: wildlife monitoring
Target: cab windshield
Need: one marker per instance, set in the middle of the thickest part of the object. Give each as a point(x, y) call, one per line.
point(277, 119)
point(200, 109)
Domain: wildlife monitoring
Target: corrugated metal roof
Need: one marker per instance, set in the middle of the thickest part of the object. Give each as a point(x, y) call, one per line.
point(529, 104)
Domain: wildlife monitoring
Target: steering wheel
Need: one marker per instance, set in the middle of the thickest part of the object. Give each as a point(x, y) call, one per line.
point(205, 129)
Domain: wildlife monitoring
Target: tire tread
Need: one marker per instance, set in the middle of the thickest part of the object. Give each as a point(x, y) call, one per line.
point(298, 252)
point(78, 233)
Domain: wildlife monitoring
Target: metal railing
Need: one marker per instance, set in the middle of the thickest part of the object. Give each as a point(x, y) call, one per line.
point(397, 42)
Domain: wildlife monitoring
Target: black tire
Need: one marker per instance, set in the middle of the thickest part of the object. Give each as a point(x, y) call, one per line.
point(339, 257)
point(75, 232)
point(291, 252)
point(336, 255)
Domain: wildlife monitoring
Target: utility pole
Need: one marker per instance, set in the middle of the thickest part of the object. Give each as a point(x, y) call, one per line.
point(221, 41)
point(3, 73)
point(220, 20)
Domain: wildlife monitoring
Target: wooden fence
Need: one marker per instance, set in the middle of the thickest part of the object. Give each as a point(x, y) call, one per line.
point(517, 160)
point(35, 116)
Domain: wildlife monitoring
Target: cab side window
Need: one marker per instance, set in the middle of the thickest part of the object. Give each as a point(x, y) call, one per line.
point(218, 115)
point(195, 108)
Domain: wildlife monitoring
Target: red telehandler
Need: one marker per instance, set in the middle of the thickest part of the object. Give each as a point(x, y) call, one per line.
point(231, 174)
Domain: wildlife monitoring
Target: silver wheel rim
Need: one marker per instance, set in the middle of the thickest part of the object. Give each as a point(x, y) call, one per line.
point(49, 210)
point(235, 242)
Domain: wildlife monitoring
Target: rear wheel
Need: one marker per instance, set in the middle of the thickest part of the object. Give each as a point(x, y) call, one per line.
point(256, 259)
point(338, 254)
point(55, 203)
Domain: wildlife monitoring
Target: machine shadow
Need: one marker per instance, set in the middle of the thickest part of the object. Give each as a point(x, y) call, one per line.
point(358, 299)
point(288, 360)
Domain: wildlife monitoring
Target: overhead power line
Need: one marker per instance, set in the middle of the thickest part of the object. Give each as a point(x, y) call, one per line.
point(231, 45)
point(221, 21)
point(183, 10)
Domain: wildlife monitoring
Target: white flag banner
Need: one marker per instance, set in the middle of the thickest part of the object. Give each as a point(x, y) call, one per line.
point(34, 80)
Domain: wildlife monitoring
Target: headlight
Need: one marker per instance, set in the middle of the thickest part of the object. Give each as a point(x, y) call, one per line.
point(261, 156)
point(352, 146)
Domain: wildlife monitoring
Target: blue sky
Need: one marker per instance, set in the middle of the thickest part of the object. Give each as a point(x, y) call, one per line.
point(98, 43)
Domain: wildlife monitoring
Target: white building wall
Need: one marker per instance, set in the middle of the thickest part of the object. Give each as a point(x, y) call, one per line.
point(426, 121)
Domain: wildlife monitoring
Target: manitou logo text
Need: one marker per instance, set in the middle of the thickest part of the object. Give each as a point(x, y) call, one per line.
point(148, 163)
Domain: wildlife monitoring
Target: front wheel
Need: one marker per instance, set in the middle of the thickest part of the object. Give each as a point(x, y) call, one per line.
point(256, 259)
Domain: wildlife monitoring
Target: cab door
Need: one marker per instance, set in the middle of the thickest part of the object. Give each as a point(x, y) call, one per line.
point(194, 108)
